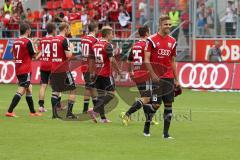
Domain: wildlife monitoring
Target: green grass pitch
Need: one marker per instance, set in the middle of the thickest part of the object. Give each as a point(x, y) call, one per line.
point(206, 127)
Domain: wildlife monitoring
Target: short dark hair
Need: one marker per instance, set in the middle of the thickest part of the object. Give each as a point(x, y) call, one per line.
point(62, 26)
point(24, 27)
point(143, 30)
point(28, 9)
point(92, 26)
point(50, 28)
point(106, 30)
point(163, 17)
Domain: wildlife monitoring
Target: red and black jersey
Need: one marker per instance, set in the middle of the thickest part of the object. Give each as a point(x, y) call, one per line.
point(60, 44)
point(23, 51)
point(162, 50)
point(136, 56)
point(103, 51)
point(45, 47)
point(87, 43)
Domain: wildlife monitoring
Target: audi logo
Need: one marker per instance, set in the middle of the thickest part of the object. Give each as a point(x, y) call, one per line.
point(4, 68)
point(203, 76)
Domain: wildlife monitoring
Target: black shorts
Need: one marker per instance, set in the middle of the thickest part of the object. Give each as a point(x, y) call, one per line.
point(45, 76)
point(61, 82)
point(163, 91)
point(24, 80)
point(105, 83)
point(87, 79)
point(145, 89)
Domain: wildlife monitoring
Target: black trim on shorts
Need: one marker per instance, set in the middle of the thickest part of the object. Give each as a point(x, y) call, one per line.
point(61, 82)
point(105, 83)
point(87, 79)
point(24, 80)
point(145, 88)
point(45, 76)
point(163, 91)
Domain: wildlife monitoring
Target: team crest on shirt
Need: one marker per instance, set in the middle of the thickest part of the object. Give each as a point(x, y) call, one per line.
point(158, 43)
point(169, 45)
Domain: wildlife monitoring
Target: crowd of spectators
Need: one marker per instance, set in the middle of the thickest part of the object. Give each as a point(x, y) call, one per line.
point(117, 13)
point(114, 12)
point(209, 22)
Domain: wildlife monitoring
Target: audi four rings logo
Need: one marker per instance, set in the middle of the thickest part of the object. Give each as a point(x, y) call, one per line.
point(199, 73)
point(4, 68)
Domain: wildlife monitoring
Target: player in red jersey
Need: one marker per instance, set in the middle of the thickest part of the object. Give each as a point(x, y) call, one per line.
point(139, 74)
point(23, 51)
point(87, 43)
point(61, 75)
point(104, 61)
point(161, 49)
point(45, 48)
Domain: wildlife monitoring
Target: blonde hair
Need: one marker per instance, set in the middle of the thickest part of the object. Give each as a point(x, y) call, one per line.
point(106, 30)
point(63, 25)
point(163, 17)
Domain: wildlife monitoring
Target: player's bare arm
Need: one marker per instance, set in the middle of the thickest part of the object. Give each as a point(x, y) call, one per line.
point(115, 65)
point(175, 71)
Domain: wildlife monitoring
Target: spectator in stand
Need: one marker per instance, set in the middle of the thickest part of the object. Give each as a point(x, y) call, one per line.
point(14, 24)
point(214, 54)
point(209, 21)
point(6, 25)
point(124, 19)
point(201, 19)
point(97, 8)
point(143, 12)
point(14, 4)
point(230, 19)
point(19, 9)
point(60, 17)
point(31, 20)
point(74, 15)
point(113, 11)
point(7, 7)
point(185, 26)
point(84, 19)
point(103, 10)
point(128, 5)
point(174, 16)
point(91, 12)
point(46, 18)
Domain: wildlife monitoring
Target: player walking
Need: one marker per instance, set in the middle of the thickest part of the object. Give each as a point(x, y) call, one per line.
point(104, 61)
point(161, 49)
point(23, 51)
point(45, 47)
point(139, 75)
point(87, 43)
point(61, 75)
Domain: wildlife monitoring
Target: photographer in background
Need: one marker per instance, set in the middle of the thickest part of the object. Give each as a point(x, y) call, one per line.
point(214, 54)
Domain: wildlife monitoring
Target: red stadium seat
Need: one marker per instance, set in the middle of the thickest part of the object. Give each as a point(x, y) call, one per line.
point(69, 3)
point(49, 5)
point(57, 4)
point(36, 15)
point(78, 6)
point(64, 6)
